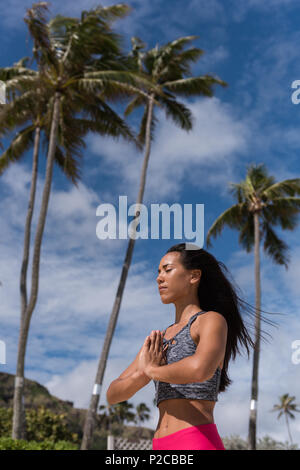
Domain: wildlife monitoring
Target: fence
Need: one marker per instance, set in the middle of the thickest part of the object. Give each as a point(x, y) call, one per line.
point(120, 443)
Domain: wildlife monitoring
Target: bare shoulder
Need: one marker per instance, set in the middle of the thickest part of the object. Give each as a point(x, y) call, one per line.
point(211, 320)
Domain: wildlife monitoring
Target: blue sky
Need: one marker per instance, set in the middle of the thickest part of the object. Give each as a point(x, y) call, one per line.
point(252, 45)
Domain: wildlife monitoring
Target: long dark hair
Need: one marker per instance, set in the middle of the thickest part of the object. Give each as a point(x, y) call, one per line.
point(217, 293)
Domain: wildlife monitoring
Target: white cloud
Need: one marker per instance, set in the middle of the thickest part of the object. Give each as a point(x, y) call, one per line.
point(206, 154)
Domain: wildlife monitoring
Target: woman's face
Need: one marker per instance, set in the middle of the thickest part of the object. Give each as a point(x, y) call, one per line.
point(174, 281)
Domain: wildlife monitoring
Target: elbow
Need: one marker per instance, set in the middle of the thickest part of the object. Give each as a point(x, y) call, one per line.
point(109, 396)
point(202, 373)
point(111, 401)
point(114, 394)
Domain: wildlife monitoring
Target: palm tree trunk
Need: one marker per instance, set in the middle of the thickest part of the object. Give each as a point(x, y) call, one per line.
point(287, 423)
point(20, 423)
point(27, 230)
point(254, 386)
point(90, 417)
point(26, 316)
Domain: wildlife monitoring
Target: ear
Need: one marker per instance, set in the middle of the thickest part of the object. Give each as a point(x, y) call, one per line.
point(195, 275)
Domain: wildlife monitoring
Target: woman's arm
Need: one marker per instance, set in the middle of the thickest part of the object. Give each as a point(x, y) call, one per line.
point(128, 383)
point(203, 363)
point(181, 372)
point(123, 389)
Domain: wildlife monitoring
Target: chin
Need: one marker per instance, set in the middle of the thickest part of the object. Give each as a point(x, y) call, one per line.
point(166, 300)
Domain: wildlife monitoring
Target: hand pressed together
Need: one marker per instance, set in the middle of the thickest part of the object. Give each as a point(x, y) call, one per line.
point(152, 353)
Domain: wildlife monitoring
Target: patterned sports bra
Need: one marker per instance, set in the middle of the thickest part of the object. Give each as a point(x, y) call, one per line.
point(179, 347)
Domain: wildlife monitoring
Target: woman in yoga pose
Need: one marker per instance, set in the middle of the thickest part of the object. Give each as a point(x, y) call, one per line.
point(188, 361)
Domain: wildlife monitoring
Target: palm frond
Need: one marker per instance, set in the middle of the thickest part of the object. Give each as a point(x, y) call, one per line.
point(180, 114)
point(194, 85)
point(273, 246)
point(289, 187)
point(238, 192)
point(19, 111)
point(7, 73)
point(283, 211)
point(246, 232)
point(36, 20)
point(232, 217)
point(20, 143)
point(136, 102)
point(126, 77)
point(113, 12)
point(68, 164)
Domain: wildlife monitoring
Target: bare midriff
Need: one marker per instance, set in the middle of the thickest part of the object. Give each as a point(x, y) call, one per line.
point(179, 413)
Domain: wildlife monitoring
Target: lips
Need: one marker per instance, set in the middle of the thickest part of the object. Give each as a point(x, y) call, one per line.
point(162, 288)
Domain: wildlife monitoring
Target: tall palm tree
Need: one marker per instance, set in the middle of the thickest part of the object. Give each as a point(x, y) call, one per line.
point(65, 57)
point(261, 204)
point(30, 108)
point(286, 407)
point(166, 68)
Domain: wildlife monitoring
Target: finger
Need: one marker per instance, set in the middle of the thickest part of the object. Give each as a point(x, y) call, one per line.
point(158, 342)
point(150, 340)
point(153, 338)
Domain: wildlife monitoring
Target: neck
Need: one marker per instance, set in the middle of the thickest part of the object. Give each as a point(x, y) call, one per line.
point(185, 308)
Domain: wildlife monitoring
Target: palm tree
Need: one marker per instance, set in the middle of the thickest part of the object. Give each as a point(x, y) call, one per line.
point(165, 67)
point(116, 414)
point(261, 204)
point(142, 413)
point(122, 412)
point(286, 407)
point(66, 65)
point(106, 417)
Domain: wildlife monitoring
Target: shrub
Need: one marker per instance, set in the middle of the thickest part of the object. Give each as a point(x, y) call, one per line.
point(7, 443)
point(41, 425)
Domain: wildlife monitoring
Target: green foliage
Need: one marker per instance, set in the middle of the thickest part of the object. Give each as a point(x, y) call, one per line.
point(7, 443)
point(235, 442)
point(267, 443)
point(41, 425)
point(6, 415)
point(114, 416)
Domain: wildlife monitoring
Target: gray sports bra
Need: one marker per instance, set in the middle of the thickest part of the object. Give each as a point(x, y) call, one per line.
point(179, 347)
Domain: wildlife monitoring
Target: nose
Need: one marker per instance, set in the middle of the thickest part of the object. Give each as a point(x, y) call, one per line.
point(159, 279)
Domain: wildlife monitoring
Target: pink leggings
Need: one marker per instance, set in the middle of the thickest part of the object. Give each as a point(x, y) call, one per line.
point(202, 437)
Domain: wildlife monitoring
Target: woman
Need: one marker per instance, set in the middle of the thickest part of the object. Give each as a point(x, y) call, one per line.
point(188, 361)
